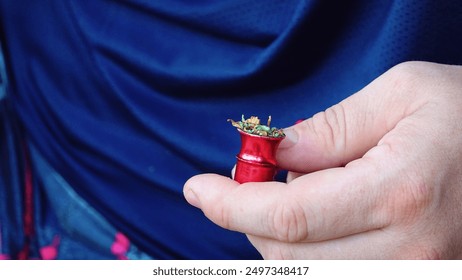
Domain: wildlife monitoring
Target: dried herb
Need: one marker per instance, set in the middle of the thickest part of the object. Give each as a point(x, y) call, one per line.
point(252, 125)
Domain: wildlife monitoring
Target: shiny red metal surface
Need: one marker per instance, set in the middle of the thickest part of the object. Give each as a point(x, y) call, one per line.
point(256, 161)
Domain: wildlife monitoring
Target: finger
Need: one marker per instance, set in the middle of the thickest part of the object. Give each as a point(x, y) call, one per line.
point(376, 244)
point(345, 131)
point(361, 246)
point(318, 206)
point(229, 204)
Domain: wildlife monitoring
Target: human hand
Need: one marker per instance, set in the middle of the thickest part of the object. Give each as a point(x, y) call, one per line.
point(377, 176)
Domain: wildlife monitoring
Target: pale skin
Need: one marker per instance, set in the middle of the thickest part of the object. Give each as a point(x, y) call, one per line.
point(377, 176)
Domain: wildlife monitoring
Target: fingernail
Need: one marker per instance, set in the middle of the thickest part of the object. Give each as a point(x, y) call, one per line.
point(192, 198)
point(290, 139)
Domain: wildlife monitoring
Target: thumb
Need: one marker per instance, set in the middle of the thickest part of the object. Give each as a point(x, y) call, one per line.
point(347, 130)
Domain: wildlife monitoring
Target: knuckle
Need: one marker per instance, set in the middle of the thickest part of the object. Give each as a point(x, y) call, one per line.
point(419, 196)
point(433, 81)
point(288, 222)
point(330, 127)
point(412, 199)
point(405, 77)
point(406, 71)
point(402, 78)
point(225, 218)
point(219, 214)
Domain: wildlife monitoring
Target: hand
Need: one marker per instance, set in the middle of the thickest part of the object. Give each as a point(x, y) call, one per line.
point(377, 176)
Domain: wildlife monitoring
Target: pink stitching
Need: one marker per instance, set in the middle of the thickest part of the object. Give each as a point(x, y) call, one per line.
point(120, 246)
point(50, 252)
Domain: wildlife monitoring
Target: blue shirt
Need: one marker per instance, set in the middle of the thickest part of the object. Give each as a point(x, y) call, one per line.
point(126, 100)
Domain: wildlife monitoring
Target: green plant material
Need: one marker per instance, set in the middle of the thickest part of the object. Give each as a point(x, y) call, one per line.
point(253, 126)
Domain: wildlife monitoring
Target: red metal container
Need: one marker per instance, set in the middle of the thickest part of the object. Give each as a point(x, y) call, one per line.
point(256, 161)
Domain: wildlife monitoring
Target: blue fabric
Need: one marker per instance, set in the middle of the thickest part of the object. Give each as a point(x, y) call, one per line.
point(76, 228)
point(11, 175)
point(11, 182)
point(3, 79)
point(126, 100)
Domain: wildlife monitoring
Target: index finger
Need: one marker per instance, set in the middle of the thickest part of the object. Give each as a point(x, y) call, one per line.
point(322, 205)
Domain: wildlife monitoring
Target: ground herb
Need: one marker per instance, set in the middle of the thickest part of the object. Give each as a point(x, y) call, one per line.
point(253, 126)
